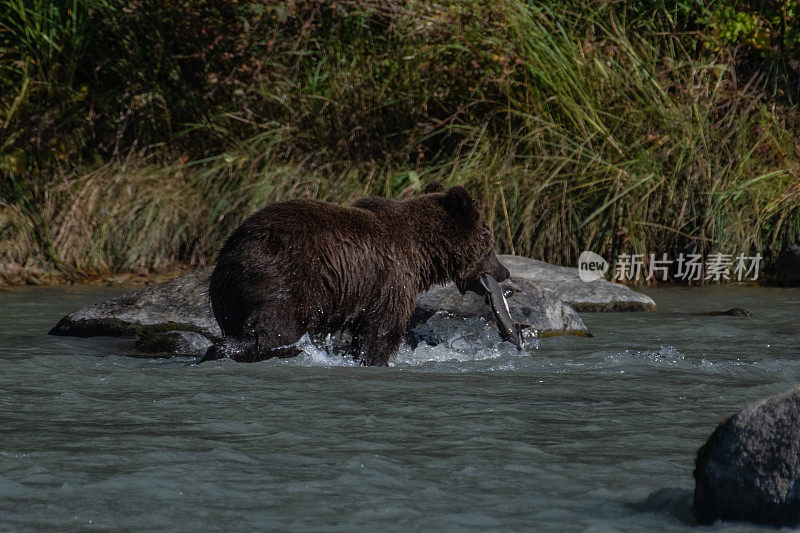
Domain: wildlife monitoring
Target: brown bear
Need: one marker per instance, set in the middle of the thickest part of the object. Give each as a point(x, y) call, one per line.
point(305, 266)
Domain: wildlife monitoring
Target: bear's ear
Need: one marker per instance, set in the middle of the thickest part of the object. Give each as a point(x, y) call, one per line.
point(434, 186)
point(460, 205)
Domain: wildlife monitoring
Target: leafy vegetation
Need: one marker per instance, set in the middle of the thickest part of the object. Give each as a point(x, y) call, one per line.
point(135, 135)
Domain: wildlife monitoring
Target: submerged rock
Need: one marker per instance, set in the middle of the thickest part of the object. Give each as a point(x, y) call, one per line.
point(598, 295)
point(749, 470)
point(541, 310)
point(736, 311)
point(786, 270)
point(174, 342)
point(179, 304)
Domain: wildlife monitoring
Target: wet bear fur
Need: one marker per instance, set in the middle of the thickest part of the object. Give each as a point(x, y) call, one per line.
point(305, 266)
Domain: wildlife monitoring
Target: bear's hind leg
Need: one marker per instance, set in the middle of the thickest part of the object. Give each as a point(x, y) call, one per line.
point(268, 332)
point(270, 343)
point(257, 345)
point(230, 347)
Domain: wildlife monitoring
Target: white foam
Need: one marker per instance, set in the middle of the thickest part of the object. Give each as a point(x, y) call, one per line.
point(449, 339)
point(321, 353)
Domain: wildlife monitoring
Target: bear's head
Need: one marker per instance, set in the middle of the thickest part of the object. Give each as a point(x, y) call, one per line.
point(470, 240)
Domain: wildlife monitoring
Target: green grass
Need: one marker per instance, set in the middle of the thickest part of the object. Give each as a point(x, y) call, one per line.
point(583, 125)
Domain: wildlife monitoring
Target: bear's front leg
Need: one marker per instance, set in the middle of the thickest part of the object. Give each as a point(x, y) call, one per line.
point(375, 349)
point(374, 341)
point(381, 325)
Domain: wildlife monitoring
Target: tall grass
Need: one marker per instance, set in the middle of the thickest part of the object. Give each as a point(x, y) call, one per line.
point(578, 126)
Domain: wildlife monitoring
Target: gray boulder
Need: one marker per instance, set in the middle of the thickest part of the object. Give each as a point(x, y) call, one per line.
point(182, 304)
point(179, 304)
point(541, 310)
point(564, 282)
point(749, 470)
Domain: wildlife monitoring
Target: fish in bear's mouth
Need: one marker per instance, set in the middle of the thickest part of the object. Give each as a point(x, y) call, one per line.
point(509, 329)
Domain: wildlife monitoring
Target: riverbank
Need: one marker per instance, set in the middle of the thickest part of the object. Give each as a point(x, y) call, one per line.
point(17, 275)
point(615, 128)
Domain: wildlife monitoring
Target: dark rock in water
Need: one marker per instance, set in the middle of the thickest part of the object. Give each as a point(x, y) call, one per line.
point(749, 470)
point(736, 311)
point(179, 304)
point(786, 270)
point(669, 500)
point(174, 342)
point(566, 284)
point(539, 309)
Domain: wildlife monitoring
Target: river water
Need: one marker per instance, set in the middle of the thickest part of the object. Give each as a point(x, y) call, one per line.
point(574, 434)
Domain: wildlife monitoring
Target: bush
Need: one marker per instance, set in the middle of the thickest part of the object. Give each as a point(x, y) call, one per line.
point(585, 125)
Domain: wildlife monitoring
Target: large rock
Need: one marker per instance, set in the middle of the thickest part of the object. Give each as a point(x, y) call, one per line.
point(182, 304)
point(179, 304)
point(749, 468)
point(541, 310)
point(598, 295)
point(786, 270)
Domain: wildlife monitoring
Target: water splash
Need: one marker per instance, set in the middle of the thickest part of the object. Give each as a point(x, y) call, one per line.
point(663, 356)
point(320, 352)
point(443, 338)
point(446, 338)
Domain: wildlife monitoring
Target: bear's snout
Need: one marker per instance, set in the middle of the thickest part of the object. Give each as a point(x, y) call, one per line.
point(491, 266)
point(496, 269)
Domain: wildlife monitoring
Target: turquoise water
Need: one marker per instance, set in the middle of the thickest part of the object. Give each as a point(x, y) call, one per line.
point(574, 434)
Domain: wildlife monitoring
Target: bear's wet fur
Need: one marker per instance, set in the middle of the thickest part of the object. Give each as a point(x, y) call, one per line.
point(305, 266)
